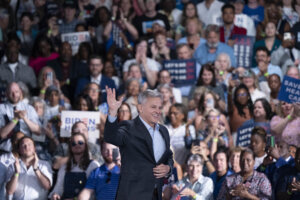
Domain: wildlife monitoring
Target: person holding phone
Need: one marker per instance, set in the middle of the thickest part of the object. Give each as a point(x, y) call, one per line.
point(104, 180)
point(28, 173)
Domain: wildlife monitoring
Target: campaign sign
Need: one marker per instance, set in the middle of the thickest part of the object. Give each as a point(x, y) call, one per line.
point(91, 119)
point(74, 39)
point(243, 49)
point(183, 72)
point(244, 135)
point(289, 90)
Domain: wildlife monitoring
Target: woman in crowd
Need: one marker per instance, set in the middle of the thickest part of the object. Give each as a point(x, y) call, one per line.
point(285, 125)
point(270, 41)
point(193, 33)
point(223, 65)
point(168, 100)
point(124, 112)
point(148, 66)
point(73, 175)
point(262, 114)
point(110, 71)
point(194, 185)
point(42, 52)
point(189, 11)
point(272, 13)
point(288, 11)
point(132, 93)
point(258, 144)
point(207, 102)
point(251, 81)
point(234, 159)
point(247, 184)
point(240, 108)
point(84, 102)
point(159, 49)
point(177, 129)
point(207, 78)
point(27, 33)
point(274, 84)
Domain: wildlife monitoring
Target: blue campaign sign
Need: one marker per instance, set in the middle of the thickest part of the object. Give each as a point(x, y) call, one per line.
point(244, 134)
point(183, 72)
point(290, 90)
point(243, 49)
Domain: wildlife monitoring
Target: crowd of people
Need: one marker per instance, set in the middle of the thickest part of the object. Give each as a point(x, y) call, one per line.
point(124, 58)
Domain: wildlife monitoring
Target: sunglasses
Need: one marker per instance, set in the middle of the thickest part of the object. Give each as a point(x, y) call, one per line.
point(242, 94)
point(80, 143)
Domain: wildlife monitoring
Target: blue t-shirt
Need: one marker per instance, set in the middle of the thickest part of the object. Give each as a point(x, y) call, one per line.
point(257, 14)
point(104, 182)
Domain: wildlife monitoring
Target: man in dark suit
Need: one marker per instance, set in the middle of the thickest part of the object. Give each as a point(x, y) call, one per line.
point(144, 145)
point(96, 76)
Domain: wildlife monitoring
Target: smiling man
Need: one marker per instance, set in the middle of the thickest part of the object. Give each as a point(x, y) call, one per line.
point(144, 146)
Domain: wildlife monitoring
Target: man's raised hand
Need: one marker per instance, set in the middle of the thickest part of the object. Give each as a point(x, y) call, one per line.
point(113, 104)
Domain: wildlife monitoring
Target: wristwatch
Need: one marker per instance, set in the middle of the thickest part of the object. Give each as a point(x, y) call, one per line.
point(36, 169)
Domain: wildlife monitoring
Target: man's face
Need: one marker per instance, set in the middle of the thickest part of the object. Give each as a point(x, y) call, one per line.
point(184, 53)
point(12, 54)
point(194, 170)
point(95, 67)
point(150, 5)
point(221, 163)
point(212, 39)
point(135, 72)
point(164, 77)
point(66, 52)
point(27, 148)
point(107, 152)
point(14, 94)
point(150, 110)
point(228, 16)
point(69, 13)
point(262, 56)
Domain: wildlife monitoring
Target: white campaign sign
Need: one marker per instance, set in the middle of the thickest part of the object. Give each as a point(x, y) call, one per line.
point(75, 39)
point(91, 119)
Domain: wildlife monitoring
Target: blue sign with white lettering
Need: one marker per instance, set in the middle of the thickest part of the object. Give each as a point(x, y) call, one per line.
point(183, 72)
point(290, 90)
point(244, 135)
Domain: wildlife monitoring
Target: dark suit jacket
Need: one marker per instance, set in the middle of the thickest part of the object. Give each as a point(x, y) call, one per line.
point(82, 82)
point(137, 180)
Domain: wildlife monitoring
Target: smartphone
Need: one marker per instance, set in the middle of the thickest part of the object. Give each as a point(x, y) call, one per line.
point(235, 76)
point(271, 141)
point(210, 103)
point(49, 76)
point(115, 154)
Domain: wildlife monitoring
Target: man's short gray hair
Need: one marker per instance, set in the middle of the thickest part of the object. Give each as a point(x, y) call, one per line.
point(212, 28)
point(196, 158)
point(143, 96)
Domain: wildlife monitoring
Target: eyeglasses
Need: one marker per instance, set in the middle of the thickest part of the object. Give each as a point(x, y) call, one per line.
point(108, 177)
point(80, 143)
point(244, 94)
point(214, 117)
point(124, 111)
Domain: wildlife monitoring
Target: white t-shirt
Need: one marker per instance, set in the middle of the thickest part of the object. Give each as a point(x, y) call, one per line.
point(210, 15)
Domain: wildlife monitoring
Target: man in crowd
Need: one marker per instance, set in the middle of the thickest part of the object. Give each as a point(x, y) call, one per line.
point(209, 51)
point(289, 187)
point(104, 180)
point(144, 23)
point(209, 11)
point(15, 116)
point(96, 76)
point(265, 68)
point(13, 70)
point(229, 29)
point(221, 165)
point(28, 177)
point(243, 20)
point(70, 21)
point(194, 185)
point(144, 145)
